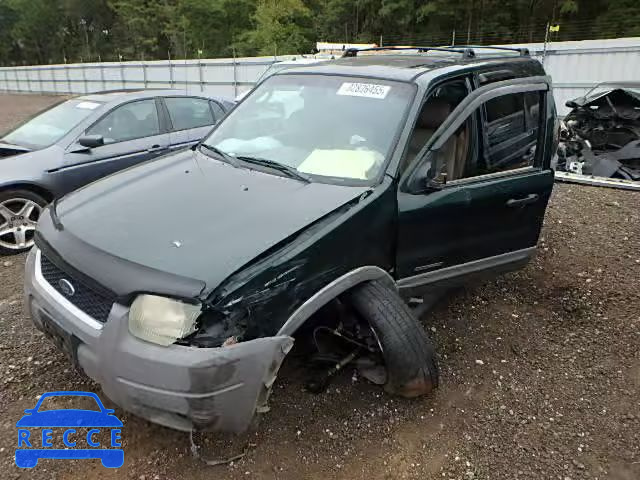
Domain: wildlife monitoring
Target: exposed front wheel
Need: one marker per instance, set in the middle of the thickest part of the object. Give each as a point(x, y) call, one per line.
point(408, 353)
point(19, 214)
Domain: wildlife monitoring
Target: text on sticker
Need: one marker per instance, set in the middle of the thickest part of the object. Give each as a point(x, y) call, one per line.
point(369, 90)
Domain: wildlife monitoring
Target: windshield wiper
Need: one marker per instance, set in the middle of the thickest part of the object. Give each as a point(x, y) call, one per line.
point(224, 156)
point(281, 167)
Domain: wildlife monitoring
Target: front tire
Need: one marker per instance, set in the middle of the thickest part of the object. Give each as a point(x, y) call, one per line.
point(409, 355)
point(19, 214)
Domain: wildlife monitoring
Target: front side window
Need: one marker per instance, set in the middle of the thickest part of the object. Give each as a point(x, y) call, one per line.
point(331, 128)
point(53, 124)
point(130, 121)
point(439, 105)
point(188, 112)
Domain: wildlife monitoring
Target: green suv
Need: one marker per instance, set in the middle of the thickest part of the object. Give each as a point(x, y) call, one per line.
point(326, 196)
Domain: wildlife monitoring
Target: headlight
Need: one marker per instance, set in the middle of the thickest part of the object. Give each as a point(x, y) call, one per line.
point(162, 320)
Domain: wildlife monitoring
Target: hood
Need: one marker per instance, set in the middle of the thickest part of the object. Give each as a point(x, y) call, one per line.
point(192, 216)
point(631, 97)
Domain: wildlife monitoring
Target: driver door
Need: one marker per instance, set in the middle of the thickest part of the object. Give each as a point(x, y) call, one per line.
point(132, 132)
point(462, 215)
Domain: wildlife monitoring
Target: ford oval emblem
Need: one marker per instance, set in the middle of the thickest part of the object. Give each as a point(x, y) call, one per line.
point(66, 287)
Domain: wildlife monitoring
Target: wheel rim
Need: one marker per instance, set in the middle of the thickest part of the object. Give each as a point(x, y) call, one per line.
point(18, 219)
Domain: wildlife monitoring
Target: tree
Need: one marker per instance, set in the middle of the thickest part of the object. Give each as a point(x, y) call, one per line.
point(214, 26)
point(143, 28)
point(88, 24)
point(38, 33)
point(281, 27)
point(620, 18)
point(8, 18)
point(50, 31)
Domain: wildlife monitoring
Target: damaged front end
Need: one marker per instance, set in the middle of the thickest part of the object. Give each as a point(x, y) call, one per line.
point(600, 138)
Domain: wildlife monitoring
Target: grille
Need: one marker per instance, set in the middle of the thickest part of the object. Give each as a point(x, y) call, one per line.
point(94, 304)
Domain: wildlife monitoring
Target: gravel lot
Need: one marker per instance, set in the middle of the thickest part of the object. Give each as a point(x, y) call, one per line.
point(540, 375)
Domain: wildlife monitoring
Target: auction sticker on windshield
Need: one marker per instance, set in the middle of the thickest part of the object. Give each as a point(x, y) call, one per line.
point(88, 105)
point(369, 90)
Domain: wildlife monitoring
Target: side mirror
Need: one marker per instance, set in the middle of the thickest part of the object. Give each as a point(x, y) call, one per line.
point(91, 141)
point(423, 180)
point(571, 104)
point(432, 185)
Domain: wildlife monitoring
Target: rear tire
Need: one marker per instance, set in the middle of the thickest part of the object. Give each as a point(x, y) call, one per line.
point(19, 213)
point(409, 355)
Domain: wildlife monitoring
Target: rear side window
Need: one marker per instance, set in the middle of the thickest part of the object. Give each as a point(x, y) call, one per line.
point(510, 132)
point(504, 106)
point(505, 117)
point(132, 120)
point(188, 112)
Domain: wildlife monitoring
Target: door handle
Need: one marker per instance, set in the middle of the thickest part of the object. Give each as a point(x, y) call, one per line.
point(519, 202)
point(156, 148)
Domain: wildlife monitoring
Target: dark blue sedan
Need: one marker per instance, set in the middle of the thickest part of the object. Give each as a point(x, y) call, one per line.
point(83, 139)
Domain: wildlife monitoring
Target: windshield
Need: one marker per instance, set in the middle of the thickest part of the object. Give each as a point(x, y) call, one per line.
point(273, 68)
point(330, 128)
point(51, 125)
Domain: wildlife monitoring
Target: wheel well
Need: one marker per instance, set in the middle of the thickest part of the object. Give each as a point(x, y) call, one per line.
point(332, 291)
point(43, 192)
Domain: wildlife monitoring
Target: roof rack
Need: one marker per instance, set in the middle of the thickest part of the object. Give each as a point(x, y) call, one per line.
point(465, 51)
point(524, 52)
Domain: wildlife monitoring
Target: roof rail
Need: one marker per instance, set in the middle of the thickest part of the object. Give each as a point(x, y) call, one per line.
point(466, 52)
point(524, 52)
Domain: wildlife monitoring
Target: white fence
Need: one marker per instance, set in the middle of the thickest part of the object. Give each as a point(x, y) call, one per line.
point(574, 66)
point(225, 77)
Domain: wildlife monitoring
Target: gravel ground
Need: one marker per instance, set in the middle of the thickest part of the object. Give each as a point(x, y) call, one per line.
point(540, 376)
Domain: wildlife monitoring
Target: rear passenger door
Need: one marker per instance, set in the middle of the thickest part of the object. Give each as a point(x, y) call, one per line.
point(190, 119)
point(132, 132)
point(496, 197)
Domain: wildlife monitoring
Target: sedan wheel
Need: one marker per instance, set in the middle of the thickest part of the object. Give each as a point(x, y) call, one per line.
point(18, 219)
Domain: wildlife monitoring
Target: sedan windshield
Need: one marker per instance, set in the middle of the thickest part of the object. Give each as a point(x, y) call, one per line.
point(333, 129)
point(51, 125)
